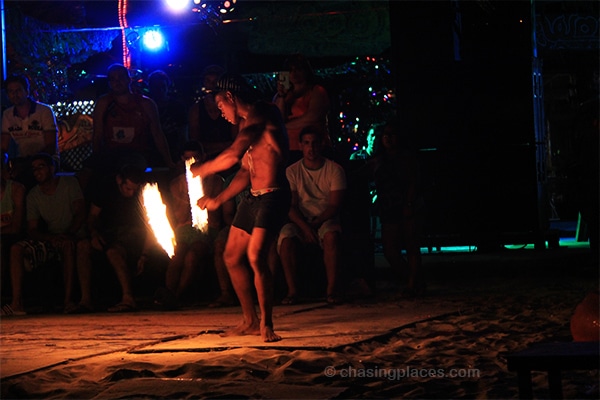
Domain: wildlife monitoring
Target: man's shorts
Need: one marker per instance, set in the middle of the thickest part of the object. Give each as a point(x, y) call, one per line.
point(36, 254)
point(269, 211)
point(291, 230)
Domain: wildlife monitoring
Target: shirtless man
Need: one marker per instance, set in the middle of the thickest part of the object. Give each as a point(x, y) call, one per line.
point(262, 147)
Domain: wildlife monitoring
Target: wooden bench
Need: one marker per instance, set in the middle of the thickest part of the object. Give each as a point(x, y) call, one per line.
point(553, 358)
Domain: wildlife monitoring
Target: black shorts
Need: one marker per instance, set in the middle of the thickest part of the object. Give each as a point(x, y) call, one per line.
point(267, 211)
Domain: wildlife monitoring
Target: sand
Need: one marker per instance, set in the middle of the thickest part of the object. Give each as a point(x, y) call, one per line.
point(459, 351)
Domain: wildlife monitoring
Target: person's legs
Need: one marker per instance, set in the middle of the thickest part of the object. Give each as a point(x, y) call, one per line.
point(175, 267)
point(391, 241)
point(17, 271)
point(117, 257)
point(66, 249)
point(288, 254)
point(331, 259)
point(241, 279)
point(198, 251)
point(411, 237)
point(226, 296)
point(258, 248)
point(84, 272)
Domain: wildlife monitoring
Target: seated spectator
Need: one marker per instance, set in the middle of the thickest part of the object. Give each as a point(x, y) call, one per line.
point(55, 229)
point(318, 185)
point(28, 128)
point(118, 229)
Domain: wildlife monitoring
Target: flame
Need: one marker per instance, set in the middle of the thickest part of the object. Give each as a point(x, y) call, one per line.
point(156, 212)
point(195, 191)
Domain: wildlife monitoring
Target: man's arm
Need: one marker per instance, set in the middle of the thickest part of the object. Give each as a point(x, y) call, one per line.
point(160, 141)
point(296, 216)
point(97, 241)
point(229, 157)
point(333, 207)
point(18, 198)
point(78, 216)
point(98, 118)
point(240, 181)
point(34, 231)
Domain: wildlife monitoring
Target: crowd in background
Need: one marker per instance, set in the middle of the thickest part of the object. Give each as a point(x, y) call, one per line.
point(89, 225)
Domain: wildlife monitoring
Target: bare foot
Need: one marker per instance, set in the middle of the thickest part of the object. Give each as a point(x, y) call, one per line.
point(243, 329)
point(268, 335)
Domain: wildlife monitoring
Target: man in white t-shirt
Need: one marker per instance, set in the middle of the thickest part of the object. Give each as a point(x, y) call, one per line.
point(28, 128)
point(55, 232)
point(318, 186)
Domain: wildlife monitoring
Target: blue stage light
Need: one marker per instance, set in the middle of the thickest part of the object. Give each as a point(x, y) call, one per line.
point(153, 40)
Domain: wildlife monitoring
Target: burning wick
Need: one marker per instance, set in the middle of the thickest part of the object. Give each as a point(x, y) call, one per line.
point(156, 212)
point(195, 192)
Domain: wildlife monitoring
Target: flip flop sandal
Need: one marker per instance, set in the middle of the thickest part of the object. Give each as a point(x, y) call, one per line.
point(7, 311)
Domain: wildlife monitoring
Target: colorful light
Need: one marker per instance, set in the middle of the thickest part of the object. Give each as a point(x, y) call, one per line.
point(177, 5)
point(153, 40)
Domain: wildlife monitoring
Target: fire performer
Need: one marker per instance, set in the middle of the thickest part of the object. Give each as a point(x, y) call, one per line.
point(262, 147)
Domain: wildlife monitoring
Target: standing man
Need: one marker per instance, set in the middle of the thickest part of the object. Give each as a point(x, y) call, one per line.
point(262, 147)
point(128, 124)
point(29, 126)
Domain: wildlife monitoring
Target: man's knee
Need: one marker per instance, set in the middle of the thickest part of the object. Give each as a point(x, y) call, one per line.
point(232, 259)
point(289, 232)
point(331, 242)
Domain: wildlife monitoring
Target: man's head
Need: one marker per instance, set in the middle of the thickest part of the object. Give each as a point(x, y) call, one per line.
point(17, 89)
point(43, 167)
point(311, 143)
point(371, 139)
point(129, 179)
point(300, 69)
point(229, 91)
point(158, 83)
point(118, 79)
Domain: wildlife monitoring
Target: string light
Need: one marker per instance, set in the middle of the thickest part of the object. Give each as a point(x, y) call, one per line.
point(123, 24)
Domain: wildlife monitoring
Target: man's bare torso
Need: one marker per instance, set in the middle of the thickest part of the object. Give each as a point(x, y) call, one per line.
point(265, 158)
